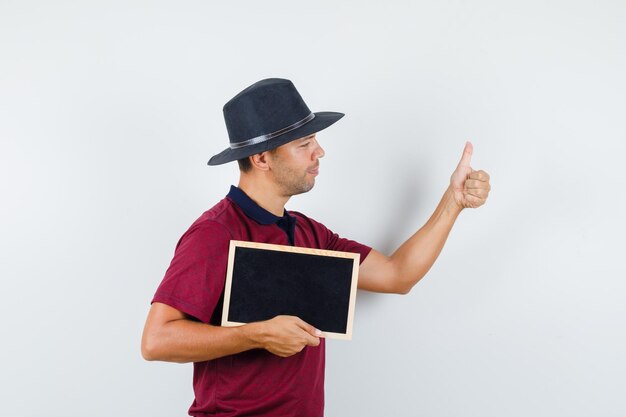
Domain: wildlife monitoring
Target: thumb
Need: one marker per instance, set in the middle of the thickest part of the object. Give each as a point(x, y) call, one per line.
point(310, 329)
point(467, 155)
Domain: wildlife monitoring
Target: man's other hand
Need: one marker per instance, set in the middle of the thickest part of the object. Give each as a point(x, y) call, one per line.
point(471, 188)
point(287, 335)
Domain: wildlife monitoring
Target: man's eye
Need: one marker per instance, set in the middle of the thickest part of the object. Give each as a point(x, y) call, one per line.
point(305, 144)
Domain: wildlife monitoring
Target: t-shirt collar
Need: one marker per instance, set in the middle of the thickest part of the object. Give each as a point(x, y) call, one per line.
point(252, 209)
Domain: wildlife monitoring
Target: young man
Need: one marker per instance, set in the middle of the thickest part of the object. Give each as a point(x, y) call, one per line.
point(274, 367)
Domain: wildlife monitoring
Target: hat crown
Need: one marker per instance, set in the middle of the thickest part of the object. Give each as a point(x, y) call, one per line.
point(263, 108)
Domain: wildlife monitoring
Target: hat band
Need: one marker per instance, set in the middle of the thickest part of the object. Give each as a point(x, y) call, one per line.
point(265, 138)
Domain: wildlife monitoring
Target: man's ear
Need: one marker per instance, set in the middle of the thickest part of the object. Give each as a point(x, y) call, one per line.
point(260, 161)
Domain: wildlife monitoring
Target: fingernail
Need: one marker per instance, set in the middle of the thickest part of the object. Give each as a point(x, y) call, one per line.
point(318, 332)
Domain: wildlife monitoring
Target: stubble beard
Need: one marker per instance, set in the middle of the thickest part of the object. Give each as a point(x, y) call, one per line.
point(293, 183)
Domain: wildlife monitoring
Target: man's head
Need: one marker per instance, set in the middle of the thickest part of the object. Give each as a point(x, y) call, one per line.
point(266, 116)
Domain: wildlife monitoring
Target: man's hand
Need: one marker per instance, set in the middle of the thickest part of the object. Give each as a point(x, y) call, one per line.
point(471, 188)
point(287, 335)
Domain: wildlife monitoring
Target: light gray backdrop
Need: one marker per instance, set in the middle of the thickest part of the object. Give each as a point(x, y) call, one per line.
point(109, 111)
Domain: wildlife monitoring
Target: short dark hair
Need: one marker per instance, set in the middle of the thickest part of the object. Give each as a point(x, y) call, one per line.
point(244, 164)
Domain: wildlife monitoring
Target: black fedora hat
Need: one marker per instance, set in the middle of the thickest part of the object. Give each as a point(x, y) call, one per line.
point(266, 115)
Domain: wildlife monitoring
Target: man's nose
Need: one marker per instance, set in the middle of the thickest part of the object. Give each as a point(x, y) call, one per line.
point(319, 152)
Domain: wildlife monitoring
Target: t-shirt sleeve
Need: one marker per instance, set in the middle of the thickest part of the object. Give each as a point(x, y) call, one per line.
point(332, 241)
point(346, 245)
point(194, 281)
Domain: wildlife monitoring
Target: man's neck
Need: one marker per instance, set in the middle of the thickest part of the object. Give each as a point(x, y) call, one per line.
point(265, 195)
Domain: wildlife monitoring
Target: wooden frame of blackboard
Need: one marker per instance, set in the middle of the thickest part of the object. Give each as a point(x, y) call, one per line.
point(350, 278)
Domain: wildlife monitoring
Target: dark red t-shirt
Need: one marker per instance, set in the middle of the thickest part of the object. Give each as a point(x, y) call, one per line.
point(256, 382)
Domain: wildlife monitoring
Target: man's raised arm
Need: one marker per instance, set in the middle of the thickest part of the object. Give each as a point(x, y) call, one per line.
point(399, 272)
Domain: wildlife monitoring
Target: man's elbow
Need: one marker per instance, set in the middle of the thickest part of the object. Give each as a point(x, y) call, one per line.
point(403, 289)
point(148, 349)
point(395, 286)
point(151, 349)
point(154, 348)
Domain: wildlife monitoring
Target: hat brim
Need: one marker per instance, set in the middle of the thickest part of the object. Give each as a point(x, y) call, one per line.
point(321, 121)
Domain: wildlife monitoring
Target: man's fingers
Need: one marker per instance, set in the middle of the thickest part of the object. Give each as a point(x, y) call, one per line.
point(313, 341)
point(473, 202)
point(467, 155)
point(479, 175)
point(477, 185)
point(311, 338)
point(477, 192)
point(313, 334)
point(290, 335)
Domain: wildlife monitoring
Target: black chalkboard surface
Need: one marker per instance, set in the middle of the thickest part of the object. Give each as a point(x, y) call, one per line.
point(264, 281)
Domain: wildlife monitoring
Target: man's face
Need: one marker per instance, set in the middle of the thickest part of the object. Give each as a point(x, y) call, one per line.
point(295, 165)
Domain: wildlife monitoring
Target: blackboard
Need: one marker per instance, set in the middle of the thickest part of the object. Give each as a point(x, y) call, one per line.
point(264, 281)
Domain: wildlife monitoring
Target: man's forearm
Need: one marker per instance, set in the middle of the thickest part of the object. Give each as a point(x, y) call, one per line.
point(399, 272)
point(414, 258)
point(169, 335)
point(189, 341)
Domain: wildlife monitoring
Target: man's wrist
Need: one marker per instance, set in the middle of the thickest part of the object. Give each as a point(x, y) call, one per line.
point(253, 334)
point(450, 202)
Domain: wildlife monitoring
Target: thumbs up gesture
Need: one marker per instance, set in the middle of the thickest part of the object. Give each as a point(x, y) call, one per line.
point(471, 188)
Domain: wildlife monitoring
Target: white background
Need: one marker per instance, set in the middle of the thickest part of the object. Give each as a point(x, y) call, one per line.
point(109, 111)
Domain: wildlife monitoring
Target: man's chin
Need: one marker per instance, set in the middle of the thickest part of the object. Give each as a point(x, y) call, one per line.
point(305, 188)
